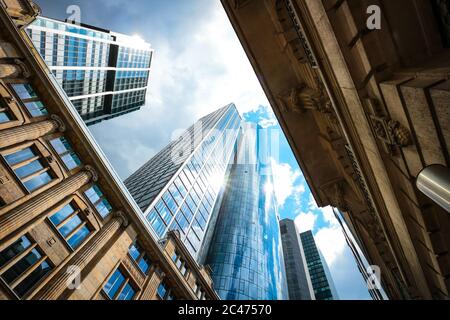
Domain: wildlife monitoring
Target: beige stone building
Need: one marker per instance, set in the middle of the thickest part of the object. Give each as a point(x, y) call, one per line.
point(365, 110)
point(68, 227)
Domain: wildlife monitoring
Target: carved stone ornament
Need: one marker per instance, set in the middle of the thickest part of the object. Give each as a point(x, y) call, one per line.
point(123, 217)
point(303, 98)
point(92, 171)
point(61, 125)
point(390, 132)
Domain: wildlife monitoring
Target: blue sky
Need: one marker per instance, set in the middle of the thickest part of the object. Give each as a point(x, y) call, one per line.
point(199, 66)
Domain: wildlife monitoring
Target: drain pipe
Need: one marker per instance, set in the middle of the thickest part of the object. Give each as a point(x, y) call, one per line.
point(434, 182)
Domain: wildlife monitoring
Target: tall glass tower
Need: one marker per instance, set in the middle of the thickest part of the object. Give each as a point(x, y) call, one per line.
point(297, 273)
point(105, 74)
point(322, 282)
point(246, 253)
point(178, 188)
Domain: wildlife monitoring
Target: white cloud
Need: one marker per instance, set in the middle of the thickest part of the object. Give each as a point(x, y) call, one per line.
point(284, 178)
point(305, 221)
point(331, 242)
point(204, 69)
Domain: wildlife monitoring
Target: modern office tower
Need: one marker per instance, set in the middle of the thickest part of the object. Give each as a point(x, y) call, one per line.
point(63, 209)
point(105, 74)
point(178, 188)
point(297, 273)
point(245, 253)
point(321, 279)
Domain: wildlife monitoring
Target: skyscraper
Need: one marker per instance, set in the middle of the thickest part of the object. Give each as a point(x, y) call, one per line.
point(178, 188)
point(297, 273)
point(318, 269)
point(105, 74)
point(214, 185)
point(245, 253)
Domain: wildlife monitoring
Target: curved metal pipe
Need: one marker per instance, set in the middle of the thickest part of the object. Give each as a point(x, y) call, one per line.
point(434, 182)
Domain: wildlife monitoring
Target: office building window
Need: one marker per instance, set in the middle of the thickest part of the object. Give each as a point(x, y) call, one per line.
point(72, 225)
point(141, 258)
point(119, 286)
point(29, 168)
point(23, 265)
point(164, 293)
point(30, 99)
point(66, 153)
point(180, 263)
point(98, 200)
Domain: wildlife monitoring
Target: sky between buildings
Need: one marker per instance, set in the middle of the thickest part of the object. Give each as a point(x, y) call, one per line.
point(199, 66)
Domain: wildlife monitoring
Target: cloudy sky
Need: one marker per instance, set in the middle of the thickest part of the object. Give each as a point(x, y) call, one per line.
point(199, 66)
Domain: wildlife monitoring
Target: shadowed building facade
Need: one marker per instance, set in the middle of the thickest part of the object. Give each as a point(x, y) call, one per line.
point(365, 111)
point(297, 274)
point(64, 212)
point(104, 73)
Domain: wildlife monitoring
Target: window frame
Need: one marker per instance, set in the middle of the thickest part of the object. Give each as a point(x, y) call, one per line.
point(128, 279)
point(38, 156)
point(78, 211)
point(23, 101)
point(12, 262)
point(67, 152)
point(142, 254)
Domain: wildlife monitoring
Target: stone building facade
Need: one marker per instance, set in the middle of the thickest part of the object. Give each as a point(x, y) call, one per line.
point(365, 111)
point(68, 227)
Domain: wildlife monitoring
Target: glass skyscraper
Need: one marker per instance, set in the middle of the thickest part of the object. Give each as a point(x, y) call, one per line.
point(214, 185)
point(105, 74)
point(297, 273)
point(245, 252)
point(318, 269)
point(178, 188)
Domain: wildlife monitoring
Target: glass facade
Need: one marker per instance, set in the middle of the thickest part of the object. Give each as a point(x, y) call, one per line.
point(177, 189)
point(104, 74)
point(245, 253)
point(318, 270)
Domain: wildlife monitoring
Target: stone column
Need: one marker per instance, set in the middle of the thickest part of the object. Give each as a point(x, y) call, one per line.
point(24, 213)
point(59, 282)
point(30, 132)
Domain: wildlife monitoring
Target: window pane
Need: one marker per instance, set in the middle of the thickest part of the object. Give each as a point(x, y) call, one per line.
point(34, 277)
point(38, 181)
point(114, 283)
point(62, 214)
point(24, 91)
point(71, 160)
point(163, 212)
point(19, 156)
point(162, 290)
point(36, 109)
point(144, 264)
point(4, 117)
point(29, 169)
point(78, 237)
point(103, 208)
point(13, 250)
point(134, 251)
point(70, 225)
point(127, 293)
point(21, 266)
